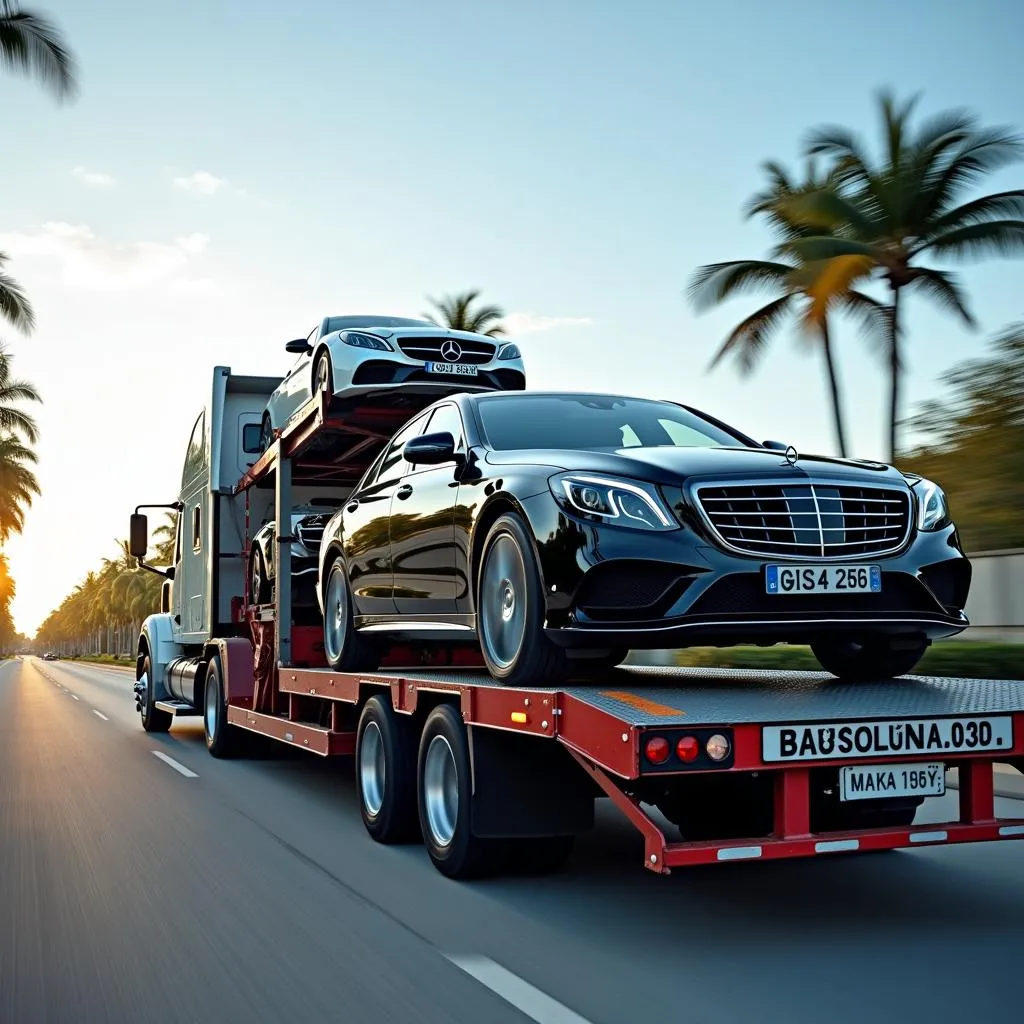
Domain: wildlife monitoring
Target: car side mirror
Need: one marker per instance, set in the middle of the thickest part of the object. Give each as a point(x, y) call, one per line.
point(775, 446)
point(138, 536)
point(430, 449)
point(298, 347)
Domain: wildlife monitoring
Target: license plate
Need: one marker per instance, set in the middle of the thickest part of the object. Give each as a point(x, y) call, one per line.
point(823, 741)
point(822, 579)
point(882, 781)
point(453, 369)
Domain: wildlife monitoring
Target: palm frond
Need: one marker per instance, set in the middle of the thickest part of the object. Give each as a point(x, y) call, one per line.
point(15, 307)
point(716, 282)
point(827, 247)
point(944, 287)
point(997, 206)
point(32, 44)
point(991, 238)
point(748, 340)
point(829, 279)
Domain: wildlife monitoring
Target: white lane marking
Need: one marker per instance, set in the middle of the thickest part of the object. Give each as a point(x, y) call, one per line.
point(521, 994)
point(176, 765)
point(99, 714)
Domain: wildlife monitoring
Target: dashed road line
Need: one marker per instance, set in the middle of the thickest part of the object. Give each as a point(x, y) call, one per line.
point(75, 695)
point(176, 765)
point(99, 714)
point(521, 994)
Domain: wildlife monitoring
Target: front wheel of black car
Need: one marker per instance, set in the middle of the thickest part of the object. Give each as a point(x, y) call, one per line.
point(510, 610)
point(344, 648)
point(873, 659)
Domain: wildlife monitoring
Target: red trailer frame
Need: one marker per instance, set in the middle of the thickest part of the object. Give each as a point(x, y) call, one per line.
point(278, 686)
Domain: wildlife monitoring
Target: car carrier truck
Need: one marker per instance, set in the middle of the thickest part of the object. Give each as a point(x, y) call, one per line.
point(730, 765)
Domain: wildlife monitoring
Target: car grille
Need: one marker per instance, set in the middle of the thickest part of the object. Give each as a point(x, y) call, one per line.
point(310, 530)
point(815, 520)
point(429, 350)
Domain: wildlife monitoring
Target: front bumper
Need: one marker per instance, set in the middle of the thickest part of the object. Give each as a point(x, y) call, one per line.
point(651, 590)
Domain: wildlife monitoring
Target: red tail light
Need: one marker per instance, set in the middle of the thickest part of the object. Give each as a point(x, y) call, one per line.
point(656, 750)
point(687, 749)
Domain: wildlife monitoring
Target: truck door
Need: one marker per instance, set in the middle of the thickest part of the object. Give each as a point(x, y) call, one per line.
point(192, 578)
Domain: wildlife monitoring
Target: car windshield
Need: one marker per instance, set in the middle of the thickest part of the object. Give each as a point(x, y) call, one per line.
point(594, 422)
point(344, 323)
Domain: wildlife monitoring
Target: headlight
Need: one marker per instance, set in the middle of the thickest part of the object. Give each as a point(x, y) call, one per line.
point(932, 507)
point(366, 341)
point(509, 351)
point(618, 502)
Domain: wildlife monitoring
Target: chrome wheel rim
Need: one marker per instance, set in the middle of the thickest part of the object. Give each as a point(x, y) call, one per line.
point(323, 374)
point(144, 693)
point(503, 602)
point(257, 579)
point(441, 790)
point(212, 710)
point(372, 769)
point(335, 615)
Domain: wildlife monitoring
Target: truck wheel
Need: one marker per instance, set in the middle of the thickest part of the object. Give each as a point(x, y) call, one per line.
point(510, 610)
point(222, 740)
point(344, 648)
point(153, 719)
point(444, 790)
point(259, 584)
point(870, 660)
point(386, 773)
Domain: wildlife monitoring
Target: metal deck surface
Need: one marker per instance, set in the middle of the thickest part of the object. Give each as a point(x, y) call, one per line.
point(645, 695)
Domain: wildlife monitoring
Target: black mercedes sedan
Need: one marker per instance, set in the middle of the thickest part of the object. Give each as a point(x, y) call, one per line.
point(564, 530)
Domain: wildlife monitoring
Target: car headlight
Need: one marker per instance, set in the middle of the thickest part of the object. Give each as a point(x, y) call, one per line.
point(932, 507)
point(509, 351)
point(357, 340)
point(617, 502)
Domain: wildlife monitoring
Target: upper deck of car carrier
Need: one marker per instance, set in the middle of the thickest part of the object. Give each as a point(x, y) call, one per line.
point(641, 726)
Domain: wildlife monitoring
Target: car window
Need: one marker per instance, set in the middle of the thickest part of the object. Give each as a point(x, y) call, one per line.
point(511, 422)
point(394, 465)
point(445, 419)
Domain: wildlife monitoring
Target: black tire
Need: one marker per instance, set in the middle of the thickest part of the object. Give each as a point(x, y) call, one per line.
point(344, 648)
point(153, 718)
point(259, 584)
point(266, 432)
point(323, 375)
point(222, 740)
point(462, 855)
point(387, 741)
point(871, 660)
point(535, 661)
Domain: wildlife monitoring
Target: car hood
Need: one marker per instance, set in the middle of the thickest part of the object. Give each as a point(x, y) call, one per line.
point(673, 466)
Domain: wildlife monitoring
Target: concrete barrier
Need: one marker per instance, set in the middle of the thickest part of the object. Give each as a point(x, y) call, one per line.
point(996, 604)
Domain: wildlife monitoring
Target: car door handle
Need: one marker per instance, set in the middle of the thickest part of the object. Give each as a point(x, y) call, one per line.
point(403, 492)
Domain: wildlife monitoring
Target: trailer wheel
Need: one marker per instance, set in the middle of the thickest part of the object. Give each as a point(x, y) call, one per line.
point(386, 773)
point(344, 648)
point(222, 740)
point(869, 660)
point(510, 610)
point(153, 718)
point(444, 793)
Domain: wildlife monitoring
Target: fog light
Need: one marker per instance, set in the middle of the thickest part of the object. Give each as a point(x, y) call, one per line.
point(687, 749)
point(657, 750)
point(718, 747)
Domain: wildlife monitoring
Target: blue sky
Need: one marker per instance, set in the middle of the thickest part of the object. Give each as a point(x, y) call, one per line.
point(575, 161)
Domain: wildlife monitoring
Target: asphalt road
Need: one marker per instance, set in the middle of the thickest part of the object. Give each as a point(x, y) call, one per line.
point(248, 891)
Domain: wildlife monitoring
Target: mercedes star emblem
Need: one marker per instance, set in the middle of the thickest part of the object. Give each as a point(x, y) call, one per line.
point(451, 352)
point(791, 455)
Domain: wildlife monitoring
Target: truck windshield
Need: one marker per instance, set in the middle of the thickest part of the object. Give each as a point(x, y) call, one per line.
point(514, 422)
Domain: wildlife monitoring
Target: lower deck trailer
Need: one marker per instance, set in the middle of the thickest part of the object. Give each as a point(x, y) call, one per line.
point(737, 765)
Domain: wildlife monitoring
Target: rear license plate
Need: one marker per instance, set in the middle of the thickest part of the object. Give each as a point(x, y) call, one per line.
point(822, 579)
point(453, 369)
point(883, 781)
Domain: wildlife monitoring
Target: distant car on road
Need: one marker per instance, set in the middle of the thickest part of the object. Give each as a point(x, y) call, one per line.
point(349, 354)
point(566, 529)
point(49, 656)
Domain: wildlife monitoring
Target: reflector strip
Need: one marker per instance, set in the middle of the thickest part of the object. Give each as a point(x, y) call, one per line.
point(739, 853)
point(928, 837)
point(837, 846)
point(1012, 830)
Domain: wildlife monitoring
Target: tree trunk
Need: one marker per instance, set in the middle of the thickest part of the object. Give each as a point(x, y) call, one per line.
point(895, 370)
point(833, 384)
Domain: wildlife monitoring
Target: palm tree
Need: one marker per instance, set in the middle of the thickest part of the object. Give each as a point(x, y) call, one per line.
point(33, 45)
point(806, 290)
point(911, 204)
point(18, 484)
point(457, 314)
point(11, 390)
point(14, 305)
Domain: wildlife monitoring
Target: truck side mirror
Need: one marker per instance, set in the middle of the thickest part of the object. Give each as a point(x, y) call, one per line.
point(138, 536)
